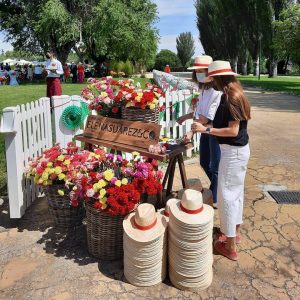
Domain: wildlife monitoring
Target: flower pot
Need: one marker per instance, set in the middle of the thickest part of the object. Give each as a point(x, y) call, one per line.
point(139, 114)
point(62, 212)
point(104, 234)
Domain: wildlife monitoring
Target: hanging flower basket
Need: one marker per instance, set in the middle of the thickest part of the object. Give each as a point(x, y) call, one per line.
point(139, 114)
point(104, 234)
point(63, 213)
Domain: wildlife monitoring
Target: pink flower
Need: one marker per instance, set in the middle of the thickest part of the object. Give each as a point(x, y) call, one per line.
point(90, 193)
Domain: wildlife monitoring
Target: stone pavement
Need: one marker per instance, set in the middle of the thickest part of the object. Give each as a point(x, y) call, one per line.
point(38, 261)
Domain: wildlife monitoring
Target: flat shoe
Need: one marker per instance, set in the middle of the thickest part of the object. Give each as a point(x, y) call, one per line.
point(223, 238)
point(220, 249)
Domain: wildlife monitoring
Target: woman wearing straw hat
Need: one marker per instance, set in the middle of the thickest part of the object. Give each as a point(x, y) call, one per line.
point(208, 103)
point(230, 128)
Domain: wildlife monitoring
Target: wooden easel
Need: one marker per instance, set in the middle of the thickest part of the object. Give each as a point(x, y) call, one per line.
point(129, 136)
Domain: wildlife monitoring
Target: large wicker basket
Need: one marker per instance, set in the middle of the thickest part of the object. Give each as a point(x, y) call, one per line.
point(63, 213)
point(138, 114)
point(104, 234)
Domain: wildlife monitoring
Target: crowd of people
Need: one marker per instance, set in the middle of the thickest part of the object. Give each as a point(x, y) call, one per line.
point(221, 116)
point(17, 74)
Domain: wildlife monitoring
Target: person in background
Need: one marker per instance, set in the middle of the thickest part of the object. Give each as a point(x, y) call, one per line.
point(30, 73)
point(230, 128)
point(7, 67)
point(204, 113)
point(66, 73)
point(80, 72)
point(1, 67)
point(37, 73)
point(74, 72)
point(54, 70)
point(167, 69)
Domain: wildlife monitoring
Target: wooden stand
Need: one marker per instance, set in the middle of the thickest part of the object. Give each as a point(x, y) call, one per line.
point(119, 143)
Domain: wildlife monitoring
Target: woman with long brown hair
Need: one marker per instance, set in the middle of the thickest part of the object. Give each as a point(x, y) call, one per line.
point(230, 128)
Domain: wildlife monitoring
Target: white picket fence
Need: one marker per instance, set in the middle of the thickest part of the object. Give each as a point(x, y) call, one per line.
point(31, 128)
point(170, 128)
point(28, 131)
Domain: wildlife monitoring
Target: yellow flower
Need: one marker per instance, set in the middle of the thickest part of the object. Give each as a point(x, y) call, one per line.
point(67, 162)
point(118, 183)
point(45, 176)
point(103, 200)
point(61, 176)
point(60, 192)
point(51, 171)
point(138, 99)
point(152, 106)
point(49, 164)
point(104, 206)
point(102, 183)
point(40, 181)
point(155, 101)
point(124, 181)
point(97, 156)
point(36, 178)
point(129, 164)
point(96, 186)
point(102, 193)
point(57, 170)
point(103, 94)
point(74, 188)
point(108, 175)
point(92, 154)
point(61, 157)
point(129, 104)
point(135, 153)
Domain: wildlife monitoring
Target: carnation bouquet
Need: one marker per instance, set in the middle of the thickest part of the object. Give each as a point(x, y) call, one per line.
point(117, 184)
point(108, 96)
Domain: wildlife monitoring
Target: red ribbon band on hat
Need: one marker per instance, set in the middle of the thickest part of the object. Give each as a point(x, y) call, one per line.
point(166, 214)
point(219, 71)
point(144, 227)
point(189, 211)
point(200, 65)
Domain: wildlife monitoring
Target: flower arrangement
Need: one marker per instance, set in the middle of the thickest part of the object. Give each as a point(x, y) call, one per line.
point(117, 185)
point(108, 96)
point(106, 181)
point(58, 166)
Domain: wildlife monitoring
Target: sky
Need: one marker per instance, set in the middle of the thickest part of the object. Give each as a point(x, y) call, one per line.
point(175, 16)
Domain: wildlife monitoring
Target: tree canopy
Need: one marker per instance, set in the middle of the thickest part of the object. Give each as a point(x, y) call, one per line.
point(185, 47)
point(120, 29)
point(166, 57)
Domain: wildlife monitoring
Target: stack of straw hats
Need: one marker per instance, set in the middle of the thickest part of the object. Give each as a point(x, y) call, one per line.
point(145, 246)
point(166, 211)
point(190, 242)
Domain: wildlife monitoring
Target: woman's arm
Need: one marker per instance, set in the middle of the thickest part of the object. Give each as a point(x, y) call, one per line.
point(231, 131)
point(183, 118)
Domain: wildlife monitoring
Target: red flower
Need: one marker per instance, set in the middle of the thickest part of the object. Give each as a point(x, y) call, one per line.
point(115, 110)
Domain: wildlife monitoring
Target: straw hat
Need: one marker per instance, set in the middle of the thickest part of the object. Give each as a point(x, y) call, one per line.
point(190, 208)
point(201, 62)
point(220, 68)
point(166, 211)
point(145, 224)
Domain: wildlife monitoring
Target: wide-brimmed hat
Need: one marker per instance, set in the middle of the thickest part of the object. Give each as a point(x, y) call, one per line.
point(201, 62)
point(189, 209)
point(145, 224)
point(220, 68)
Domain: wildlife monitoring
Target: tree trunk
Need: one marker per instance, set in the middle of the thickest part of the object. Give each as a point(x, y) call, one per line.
point(234, 63)
point(244, 68)
point(256, 65)
point(286, 64)
point(273, 68)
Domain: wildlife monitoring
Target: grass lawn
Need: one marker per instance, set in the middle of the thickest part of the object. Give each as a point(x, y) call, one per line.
point(16, 95)
point(289, 84)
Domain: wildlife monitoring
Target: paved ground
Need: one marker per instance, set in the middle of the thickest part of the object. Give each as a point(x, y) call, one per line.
point(39, 262)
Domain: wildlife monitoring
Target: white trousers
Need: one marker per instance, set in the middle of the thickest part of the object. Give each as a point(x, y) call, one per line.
point(231, 178)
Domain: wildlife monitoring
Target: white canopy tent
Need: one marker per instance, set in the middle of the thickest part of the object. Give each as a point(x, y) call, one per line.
point(10, 61)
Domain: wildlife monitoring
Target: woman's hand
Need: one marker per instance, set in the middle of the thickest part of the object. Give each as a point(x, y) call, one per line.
point(198, 127)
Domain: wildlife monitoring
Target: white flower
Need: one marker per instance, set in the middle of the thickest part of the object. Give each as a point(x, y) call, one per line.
point(90, 193)
point(107, 100)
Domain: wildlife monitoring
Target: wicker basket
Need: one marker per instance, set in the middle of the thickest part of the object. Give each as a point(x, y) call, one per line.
point(104, 234)
point(63, 213)
point(138, 114)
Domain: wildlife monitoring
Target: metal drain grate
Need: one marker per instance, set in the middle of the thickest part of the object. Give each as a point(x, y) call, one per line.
point(284, 197)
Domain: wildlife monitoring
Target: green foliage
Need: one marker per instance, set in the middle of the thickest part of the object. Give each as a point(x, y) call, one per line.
point(128, 68)
point(166, 57)
point(287, 33)
point(185, 47)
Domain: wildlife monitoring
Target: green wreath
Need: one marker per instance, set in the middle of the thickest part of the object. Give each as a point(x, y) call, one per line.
point(72, 117)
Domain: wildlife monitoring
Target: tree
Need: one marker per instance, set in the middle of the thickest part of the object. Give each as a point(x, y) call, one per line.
point(40, 25)
point(185, 47)
point(166, 57)
point(122, 30)
point(287, 34)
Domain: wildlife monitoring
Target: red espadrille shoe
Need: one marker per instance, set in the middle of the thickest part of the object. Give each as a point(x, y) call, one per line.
point(223, 238)
point(220, 249)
